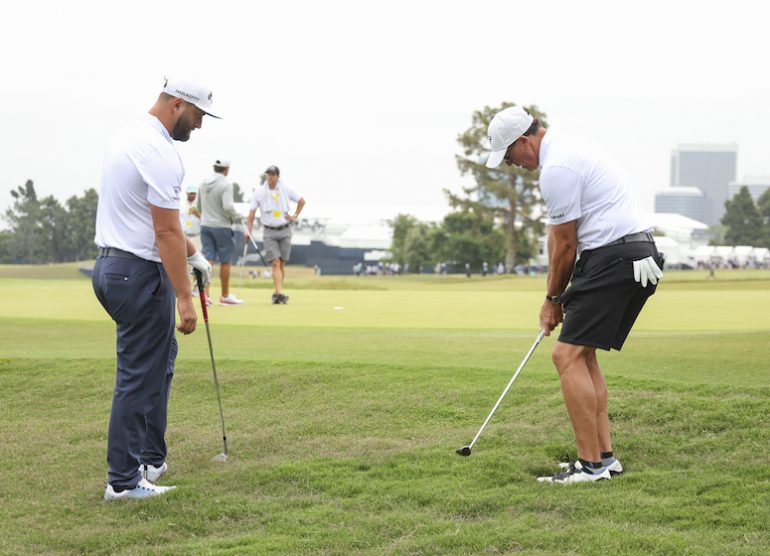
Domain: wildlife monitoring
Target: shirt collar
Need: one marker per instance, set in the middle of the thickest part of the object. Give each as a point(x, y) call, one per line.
point(155, 122)
point(545, 144)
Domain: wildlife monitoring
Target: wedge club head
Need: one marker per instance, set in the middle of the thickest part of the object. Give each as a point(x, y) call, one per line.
point(465, 451)
point(220, 457)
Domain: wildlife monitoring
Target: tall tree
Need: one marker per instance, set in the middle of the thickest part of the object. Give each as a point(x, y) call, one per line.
point(81, 225)
point(509, 194)
point(24, 219)
point(763, 205)
point(742, 219)
point(401, 224)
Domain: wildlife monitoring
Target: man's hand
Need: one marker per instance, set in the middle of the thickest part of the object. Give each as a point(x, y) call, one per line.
point(199, 262)
point(187, 316)
point(647, 270)
point(289, 217)
point(551, 315)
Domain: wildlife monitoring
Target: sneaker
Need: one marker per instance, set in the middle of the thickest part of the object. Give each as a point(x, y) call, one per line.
point(152, 473)
point(276, 298)
point(144, 489)
point(573, 474)
point(209, 302)
point(283, 299)
point(615, 468)
point(230, 300)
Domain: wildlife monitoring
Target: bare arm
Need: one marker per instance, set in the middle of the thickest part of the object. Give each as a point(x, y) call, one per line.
point(250, 223)
point(300, 206)
point(174, 248)
point(562, 251)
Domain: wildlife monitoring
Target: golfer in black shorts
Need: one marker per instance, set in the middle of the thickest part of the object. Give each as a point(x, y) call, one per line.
point(592, 214)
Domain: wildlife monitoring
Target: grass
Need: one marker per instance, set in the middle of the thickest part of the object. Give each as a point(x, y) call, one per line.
point(342, 425)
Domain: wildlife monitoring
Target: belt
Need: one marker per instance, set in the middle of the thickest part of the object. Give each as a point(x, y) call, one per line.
point(639, 237)
point(115, 252)
point(275, 227)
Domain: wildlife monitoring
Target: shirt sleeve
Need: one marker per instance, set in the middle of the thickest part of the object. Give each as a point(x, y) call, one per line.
point(562, 190)
point(293, 195)
point(163, 179)
point(254, 205)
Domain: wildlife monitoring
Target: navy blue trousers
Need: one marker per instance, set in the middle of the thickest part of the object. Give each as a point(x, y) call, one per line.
point(138, 296)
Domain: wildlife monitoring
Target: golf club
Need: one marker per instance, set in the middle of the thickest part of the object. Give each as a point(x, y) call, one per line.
point(465, 451)
point(243, 263)
point(254, 243)
point(201, 291)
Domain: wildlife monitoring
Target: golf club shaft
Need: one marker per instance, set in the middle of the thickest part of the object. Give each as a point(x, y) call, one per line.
point(254, 243)
point(510, 382)
point(201, 291)
point(243, 264)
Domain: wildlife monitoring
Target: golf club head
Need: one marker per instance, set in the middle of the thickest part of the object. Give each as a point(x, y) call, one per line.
point(465, 451)
point(220, 457)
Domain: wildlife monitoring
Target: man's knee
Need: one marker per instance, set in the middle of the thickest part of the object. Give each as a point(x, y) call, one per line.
point(276, 263)
point(565, 355)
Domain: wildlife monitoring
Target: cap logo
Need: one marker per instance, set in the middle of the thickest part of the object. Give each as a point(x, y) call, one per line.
point(210, 96)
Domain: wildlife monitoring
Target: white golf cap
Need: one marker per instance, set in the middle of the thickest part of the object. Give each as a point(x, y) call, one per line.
point(507, 126)
point(192, 91)
point(192, 188)
point(222, 163)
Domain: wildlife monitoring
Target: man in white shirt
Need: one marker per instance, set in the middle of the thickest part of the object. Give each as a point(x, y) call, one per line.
point(594, 215)
point(191, 216)
point(140, 274)
point(273, 198)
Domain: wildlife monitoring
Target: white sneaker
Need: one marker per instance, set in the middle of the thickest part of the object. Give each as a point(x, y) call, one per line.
point(573, 474)
point(143, 489)
point(152, 473)
point(230, 300)
point(615, 468)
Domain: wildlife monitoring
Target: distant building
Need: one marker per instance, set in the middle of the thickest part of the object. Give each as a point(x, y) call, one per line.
point(757, 185)
point(710, 168)
point(687, 201)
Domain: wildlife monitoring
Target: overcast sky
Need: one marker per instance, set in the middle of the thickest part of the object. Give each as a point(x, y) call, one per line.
point(360, 103)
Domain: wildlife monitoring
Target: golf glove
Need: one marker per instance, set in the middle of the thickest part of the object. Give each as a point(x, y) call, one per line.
point(199, 262)
point(646, 270)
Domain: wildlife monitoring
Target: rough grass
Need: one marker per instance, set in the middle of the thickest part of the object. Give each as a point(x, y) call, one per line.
point(342, 437)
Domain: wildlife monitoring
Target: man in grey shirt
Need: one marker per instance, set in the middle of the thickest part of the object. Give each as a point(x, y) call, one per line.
point(218, 214)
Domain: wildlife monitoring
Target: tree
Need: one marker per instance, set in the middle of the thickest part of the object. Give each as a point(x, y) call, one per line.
point(401, 225)
point(24, 219)
point(742, 219)
point(471, 238)
point(81, 225)
point(763, 204)
point(509, 194)
point(237, 193)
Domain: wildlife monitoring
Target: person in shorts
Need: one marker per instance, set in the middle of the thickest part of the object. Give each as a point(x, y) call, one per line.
point(218, 214)
point(273, 200)
point(595, 220)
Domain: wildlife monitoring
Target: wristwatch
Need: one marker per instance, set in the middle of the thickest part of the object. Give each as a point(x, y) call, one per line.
point(555, 299)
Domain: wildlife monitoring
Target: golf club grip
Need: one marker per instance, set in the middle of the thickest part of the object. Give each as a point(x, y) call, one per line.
point(201, 294)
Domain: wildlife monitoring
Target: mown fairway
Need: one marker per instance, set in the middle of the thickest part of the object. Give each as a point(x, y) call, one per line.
point(344, 409)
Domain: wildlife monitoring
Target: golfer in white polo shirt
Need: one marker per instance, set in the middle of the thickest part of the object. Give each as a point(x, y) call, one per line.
point(592, 215)
point(273, 200)
point(141, 274)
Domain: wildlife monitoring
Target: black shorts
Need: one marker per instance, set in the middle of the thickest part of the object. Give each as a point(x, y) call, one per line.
point(603, 299)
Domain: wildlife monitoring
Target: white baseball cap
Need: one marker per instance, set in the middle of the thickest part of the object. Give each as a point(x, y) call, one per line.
point(222, 163)
point(192, 91)
point(192, 188)
point(507, 126)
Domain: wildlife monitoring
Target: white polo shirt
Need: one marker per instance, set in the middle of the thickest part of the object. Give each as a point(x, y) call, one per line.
point(273, 203)
point(141, 168)
point(580, 182)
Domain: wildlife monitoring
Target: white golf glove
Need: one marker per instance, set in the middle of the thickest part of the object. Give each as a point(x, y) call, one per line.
point(646, 270)
point(199, 262)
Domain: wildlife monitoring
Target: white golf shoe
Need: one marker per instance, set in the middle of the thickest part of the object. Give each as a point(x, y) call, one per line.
point(615, 468)
point(573, 473)
point(152, 473)
point(144, 489)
